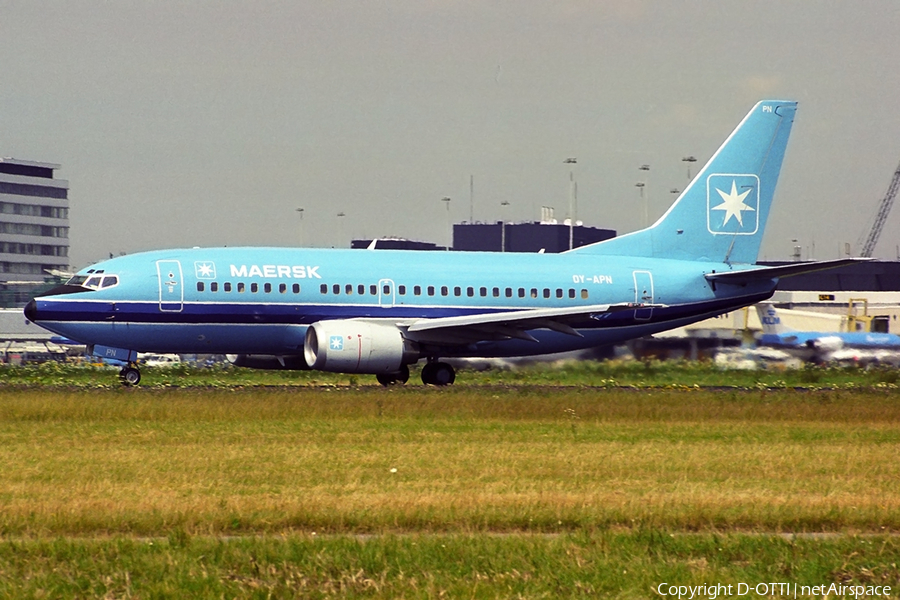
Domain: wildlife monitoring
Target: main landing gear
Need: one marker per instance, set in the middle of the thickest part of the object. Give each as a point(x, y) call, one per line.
point(438, 373)
point(433, 373)
point(401, 376)
point(129, 375)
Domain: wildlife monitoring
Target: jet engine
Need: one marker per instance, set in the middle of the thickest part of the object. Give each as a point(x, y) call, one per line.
point(829, 343)
point(350, 346)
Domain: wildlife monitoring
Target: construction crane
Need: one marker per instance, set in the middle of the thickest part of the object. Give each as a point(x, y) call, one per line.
point(883, 210)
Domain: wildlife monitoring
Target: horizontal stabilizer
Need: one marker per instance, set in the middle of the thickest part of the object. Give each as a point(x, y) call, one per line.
point(763, 273)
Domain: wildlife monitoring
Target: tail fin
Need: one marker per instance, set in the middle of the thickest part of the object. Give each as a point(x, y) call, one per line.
point(722, 214)
point(769, 319)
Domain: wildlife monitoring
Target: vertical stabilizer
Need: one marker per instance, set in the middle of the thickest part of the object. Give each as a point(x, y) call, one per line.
point(770, 321)
point(721, 215)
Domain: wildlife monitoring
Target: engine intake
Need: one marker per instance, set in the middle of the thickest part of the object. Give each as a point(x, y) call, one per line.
point(350, 346)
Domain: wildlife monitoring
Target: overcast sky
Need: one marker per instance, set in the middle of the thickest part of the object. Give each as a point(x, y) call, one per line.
point(210, 123)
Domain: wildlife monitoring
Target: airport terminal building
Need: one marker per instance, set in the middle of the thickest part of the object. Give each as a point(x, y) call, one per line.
point(34, 227)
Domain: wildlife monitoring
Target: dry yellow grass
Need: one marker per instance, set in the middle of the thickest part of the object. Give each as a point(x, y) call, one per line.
point(502, 459)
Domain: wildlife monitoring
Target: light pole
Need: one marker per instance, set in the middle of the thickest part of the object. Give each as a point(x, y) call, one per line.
point(640, 185)
point(503, 228)
point(446, 199)
point(341, 216)
point(689, 160)
point(300, 210)
point(646, 196)
point(572, 205)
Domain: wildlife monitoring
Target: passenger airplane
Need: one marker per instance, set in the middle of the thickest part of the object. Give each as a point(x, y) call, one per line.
point(824, 346)
point(376, 312)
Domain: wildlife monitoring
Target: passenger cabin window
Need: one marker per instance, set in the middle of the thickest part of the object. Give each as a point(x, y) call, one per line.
point(495, 292)
point(417, 290)
point(571, 292)
point(546, 292)
point(483, 292)
point(445, 290)
point(457, 291)
point(323, 288)
point(470, 291)
point(373, 290)
point(295, 288)
point(559, 293)
point(241, 287)
point(431, 290)
point(267, 288)
point(509, 292)
point(360, 289)
point(226, 286)
point(199, 286)
point(214, 286)
point(254, 288)
point(521, 292)
point(401, 289)
point(336, 289)
point(348, 289)
point(282, 287)
point(584, 294)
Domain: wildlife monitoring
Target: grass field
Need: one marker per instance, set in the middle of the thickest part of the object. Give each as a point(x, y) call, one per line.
point(494, 490)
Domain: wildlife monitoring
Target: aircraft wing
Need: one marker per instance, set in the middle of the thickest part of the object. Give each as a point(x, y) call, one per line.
point(748, 275)
point(512, 324)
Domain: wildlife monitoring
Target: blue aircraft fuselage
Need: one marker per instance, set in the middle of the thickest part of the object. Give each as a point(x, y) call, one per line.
point(261, 300)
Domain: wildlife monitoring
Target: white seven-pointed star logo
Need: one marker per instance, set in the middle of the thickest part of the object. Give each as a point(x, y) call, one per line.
point(336, 342)
point(205, 270)
point(733, 204)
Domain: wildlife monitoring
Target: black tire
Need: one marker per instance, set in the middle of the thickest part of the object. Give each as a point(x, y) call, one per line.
point(401, 376)
point(438, 373)
point(444, 374)
point(130, 376)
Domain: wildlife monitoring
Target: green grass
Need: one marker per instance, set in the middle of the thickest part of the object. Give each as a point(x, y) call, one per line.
point(607, 374)
point(484, 490)
point(584, 565)
point(147, 462)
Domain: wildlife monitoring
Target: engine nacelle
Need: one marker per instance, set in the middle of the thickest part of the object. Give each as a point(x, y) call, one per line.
point(829, 343)
point(351, 346)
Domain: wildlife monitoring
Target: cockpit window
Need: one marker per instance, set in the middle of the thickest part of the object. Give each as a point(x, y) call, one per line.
point(95, 282)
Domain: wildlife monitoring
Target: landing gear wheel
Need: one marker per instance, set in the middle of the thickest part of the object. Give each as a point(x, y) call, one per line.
point(438, 373)
point(401, 376)
point(130, 376)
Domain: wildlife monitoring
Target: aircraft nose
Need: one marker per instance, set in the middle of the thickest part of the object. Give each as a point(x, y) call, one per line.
point(31, 311)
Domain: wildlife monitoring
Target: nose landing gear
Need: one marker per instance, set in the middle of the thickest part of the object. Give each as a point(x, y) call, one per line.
point(129, 375)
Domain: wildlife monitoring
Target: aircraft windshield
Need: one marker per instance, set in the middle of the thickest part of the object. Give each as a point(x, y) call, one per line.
point(94, 281)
